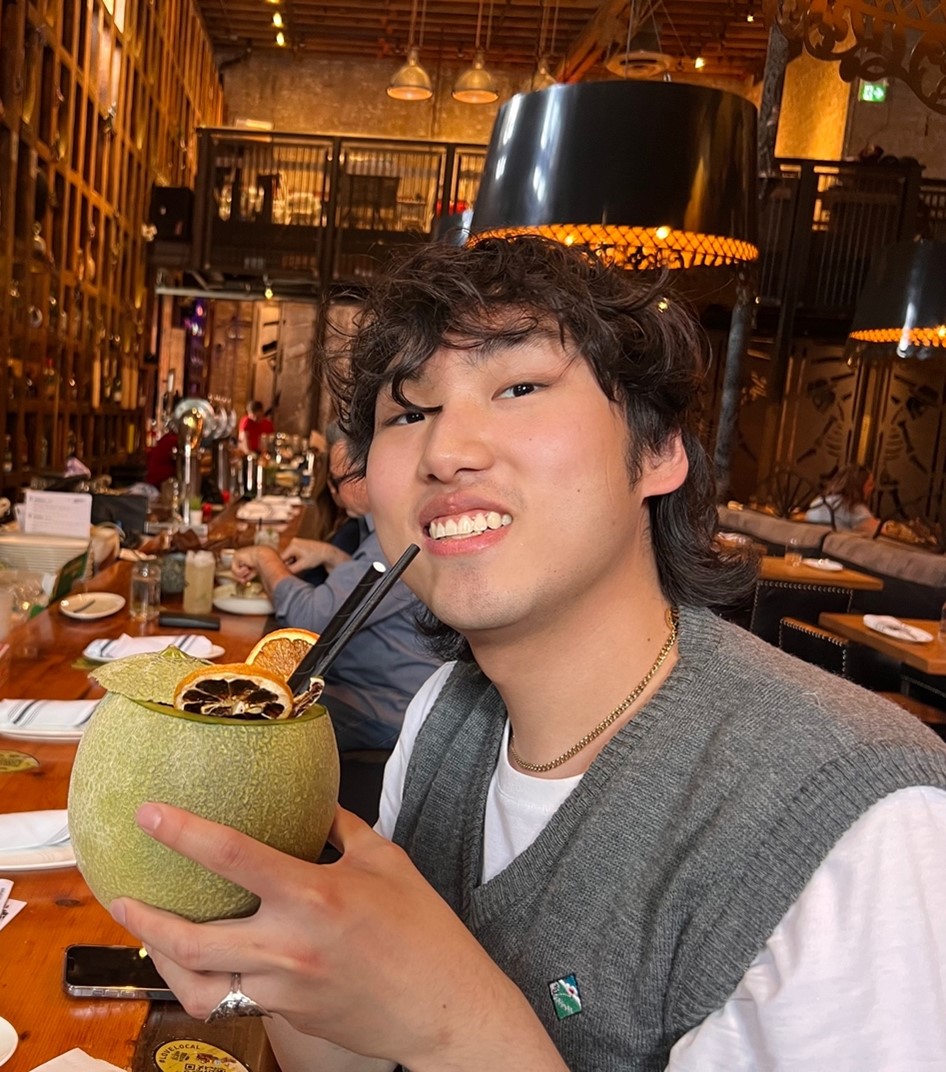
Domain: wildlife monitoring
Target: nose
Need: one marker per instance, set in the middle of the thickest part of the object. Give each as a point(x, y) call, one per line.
point(456, 441)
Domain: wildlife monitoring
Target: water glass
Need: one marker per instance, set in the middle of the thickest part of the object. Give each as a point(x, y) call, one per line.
point(793, 551)
point(144, 602)
point(942, 624)
point(199, 569)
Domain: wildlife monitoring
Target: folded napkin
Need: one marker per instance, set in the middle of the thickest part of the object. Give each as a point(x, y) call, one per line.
point(33, 830)
point(118, 648)
point(45, 714)
point(75, 1061)
point(893, 627)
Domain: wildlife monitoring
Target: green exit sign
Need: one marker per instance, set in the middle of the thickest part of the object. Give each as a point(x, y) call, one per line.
point(873, 92)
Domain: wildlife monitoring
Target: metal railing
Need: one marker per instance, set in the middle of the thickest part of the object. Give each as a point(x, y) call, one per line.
point(319, 210)
point(329, 210)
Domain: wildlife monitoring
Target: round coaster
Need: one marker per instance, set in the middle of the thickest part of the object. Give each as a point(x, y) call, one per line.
point(185, 1055)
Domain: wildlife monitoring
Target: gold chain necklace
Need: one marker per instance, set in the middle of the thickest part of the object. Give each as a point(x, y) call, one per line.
point(541, 768)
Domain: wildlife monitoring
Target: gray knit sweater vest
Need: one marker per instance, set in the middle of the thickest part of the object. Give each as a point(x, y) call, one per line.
point(639, 908)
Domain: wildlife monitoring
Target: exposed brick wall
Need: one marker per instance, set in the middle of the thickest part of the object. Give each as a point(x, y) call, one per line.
point(328, 96)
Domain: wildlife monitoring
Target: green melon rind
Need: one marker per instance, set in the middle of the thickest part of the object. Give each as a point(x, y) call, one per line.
point(277, 781)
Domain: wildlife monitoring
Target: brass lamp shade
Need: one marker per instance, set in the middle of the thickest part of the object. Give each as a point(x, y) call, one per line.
point(902, 308)
point(476, 85)
point(411, 82)
point(658, 174)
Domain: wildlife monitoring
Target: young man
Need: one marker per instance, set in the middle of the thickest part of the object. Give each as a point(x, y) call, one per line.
point(634, 837)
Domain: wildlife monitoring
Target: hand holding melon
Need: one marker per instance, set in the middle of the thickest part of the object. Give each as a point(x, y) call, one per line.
point(234, 754)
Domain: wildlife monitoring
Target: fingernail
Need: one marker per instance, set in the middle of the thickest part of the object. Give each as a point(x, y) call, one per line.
point(148, 818)
point(117, 911)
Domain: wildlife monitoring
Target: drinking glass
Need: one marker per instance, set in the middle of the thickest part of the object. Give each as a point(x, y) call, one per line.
point(942, 624)
point(793, 551)
point(144, 601)
point(199, 569)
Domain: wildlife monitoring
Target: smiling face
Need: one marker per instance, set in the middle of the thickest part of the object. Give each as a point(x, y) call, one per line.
point(509, 468)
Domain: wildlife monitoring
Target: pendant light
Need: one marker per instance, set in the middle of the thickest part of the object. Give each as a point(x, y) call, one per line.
point(542, 77)
point(901, 312)
point(588, 164)
point(411, 82)
point(476, 85)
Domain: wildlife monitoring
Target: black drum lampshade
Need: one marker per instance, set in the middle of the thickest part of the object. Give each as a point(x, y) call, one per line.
point(902, 309)
point(658, 174)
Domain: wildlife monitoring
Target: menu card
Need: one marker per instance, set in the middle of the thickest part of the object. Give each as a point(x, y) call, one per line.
point(58, 513)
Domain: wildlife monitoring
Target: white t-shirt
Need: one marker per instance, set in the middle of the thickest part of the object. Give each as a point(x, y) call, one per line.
point(853, 979)
point(832, 511)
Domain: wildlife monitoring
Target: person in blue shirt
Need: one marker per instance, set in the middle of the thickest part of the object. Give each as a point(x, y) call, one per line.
point(371, 682)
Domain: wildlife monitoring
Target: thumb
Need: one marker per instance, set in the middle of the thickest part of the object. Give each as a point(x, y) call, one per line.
point(347, 829)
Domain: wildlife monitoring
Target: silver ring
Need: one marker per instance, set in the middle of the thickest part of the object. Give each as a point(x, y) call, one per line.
point(236, 1003)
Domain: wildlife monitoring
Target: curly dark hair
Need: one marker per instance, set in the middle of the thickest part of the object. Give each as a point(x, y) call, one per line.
point(644, 346)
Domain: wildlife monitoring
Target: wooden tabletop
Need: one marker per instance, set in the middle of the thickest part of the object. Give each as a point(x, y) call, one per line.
point(43, 658)
point(929, 656)
point(773, 568)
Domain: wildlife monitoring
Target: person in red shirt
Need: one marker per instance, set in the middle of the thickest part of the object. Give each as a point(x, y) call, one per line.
point(252, 427)
point(162, 460)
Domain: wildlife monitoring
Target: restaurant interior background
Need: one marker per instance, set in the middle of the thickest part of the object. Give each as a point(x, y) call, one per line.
point(185, 205)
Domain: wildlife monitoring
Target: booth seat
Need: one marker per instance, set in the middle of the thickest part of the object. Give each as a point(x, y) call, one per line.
point(774, 532)
point(914, 579)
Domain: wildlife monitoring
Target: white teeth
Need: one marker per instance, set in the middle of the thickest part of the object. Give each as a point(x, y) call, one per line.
point(469, 524)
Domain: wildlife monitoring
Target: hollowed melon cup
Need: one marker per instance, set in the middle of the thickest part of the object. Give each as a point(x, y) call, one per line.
point(274, 780)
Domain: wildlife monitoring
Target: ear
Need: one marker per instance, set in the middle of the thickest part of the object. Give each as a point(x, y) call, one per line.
point(666, 471)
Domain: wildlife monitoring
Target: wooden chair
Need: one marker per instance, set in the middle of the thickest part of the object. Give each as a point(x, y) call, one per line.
point(930, 688)
point(785, 492)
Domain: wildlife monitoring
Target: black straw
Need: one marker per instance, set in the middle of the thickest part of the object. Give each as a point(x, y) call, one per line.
point(351, 604)
point(347, 621)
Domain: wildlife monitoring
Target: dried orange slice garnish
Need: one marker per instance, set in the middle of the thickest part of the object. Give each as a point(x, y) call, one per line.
point(234, 690)
point(282, 650)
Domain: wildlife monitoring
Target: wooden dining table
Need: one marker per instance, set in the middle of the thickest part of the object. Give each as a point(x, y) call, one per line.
point(929, 656)
point(43, 660)
point(775, 568)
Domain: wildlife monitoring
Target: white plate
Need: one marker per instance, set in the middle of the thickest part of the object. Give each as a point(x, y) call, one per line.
point(37, 733)
point(215, 652)
point(90, 605)
point(8, 1040)
point(823, 564)
point(226, 599)
point(893, 627)
point(44, 858)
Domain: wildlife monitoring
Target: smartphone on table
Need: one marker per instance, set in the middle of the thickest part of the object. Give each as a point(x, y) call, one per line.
point(112, 971)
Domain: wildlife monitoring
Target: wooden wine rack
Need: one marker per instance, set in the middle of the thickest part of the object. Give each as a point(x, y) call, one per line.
point(99, 103)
